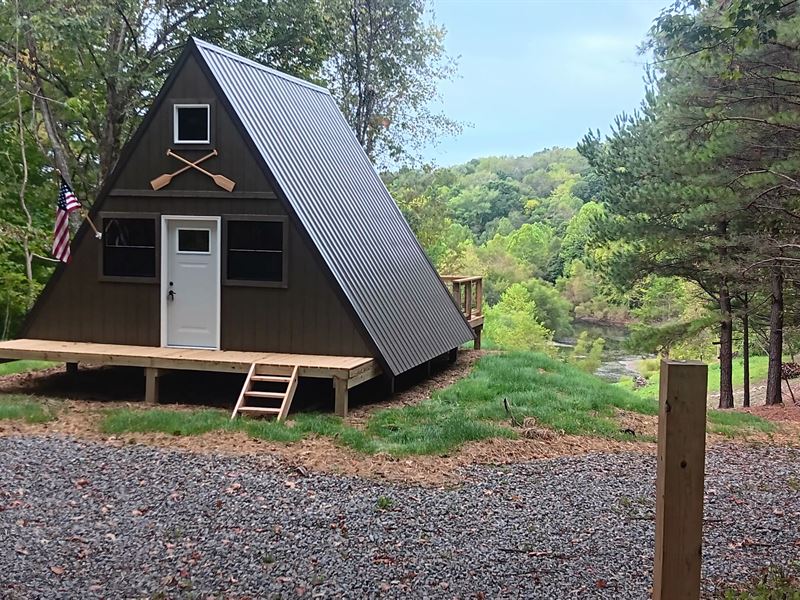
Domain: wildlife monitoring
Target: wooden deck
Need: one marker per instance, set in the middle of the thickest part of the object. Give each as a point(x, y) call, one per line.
point(467, 291)
point(345, 371)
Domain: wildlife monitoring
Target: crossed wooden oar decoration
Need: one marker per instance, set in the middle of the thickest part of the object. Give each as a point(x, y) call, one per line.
point(165, 179)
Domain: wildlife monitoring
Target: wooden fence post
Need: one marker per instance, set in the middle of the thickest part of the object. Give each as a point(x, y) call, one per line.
point(679, 484)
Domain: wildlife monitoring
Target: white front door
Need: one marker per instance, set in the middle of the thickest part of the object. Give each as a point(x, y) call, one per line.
point(190, 281)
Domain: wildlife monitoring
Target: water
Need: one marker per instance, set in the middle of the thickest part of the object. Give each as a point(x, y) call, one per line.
point(617, 361)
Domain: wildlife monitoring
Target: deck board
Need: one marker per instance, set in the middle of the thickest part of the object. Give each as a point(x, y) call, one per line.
point(192, 359)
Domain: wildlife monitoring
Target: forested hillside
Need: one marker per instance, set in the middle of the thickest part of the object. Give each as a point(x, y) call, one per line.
point(527, 224)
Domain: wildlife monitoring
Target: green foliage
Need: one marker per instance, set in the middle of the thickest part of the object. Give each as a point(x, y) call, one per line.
point(673, 319)
point(775, 583)
point(533, 245)
point(512, 323)
point(587, 355)
point(580, 232)
point(696, 184)
point(384, 503)
point(386, 60)
point(552, 309)
point(25, 408)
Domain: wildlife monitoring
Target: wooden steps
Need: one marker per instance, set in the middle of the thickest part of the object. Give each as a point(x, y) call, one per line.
point(277, 378)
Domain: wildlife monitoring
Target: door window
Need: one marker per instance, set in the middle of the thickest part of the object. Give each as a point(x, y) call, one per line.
point(194, 241)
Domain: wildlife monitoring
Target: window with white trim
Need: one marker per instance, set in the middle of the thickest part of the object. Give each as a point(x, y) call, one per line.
point(192, 123)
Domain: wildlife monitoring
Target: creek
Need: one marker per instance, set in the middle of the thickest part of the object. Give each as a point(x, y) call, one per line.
point(617, 362)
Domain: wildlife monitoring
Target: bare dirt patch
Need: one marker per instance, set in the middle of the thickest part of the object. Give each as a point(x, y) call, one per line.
point(781, 413)
point(640, 425)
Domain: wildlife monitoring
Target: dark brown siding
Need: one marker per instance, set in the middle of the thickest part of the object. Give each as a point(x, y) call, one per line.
point(149, 159)
point(308, 317)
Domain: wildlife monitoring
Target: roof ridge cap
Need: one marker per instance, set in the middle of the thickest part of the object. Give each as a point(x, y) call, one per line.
point(202, 44)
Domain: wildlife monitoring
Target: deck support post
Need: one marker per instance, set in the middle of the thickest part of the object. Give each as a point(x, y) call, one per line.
point(477, 343)
point(151, 381)
point(340, 396)
point(72, 368)
point(452, 355)
point(429, 366)
point(679, 482)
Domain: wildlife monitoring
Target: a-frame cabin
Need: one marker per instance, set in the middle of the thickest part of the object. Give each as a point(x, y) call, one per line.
point(284, 257)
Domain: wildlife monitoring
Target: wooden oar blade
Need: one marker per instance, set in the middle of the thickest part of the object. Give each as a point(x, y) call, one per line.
point(161, 181)
point(224, 182)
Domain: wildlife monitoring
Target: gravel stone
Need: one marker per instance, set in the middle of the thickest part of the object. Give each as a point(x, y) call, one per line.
point(88, 520)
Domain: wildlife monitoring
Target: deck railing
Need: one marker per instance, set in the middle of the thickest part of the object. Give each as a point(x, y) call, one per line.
point(467, 291)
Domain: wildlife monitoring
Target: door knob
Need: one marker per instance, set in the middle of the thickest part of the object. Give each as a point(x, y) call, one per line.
point(171, 295)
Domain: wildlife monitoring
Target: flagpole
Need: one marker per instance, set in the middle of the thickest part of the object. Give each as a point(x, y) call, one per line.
point(85, 215)
point(97, 234)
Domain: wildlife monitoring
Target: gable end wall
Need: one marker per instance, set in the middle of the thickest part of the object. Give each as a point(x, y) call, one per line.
point(308, 317)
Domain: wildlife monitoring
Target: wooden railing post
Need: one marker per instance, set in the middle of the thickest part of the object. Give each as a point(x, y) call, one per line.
point(468, 299)
point(679, 483)
point(479, 296)
point(457, 294)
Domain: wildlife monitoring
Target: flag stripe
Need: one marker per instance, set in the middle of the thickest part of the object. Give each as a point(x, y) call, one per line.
point(67, 202)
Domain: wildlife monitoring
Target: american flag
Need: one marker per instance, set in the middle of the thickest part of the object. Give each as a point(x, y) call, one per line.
point(67, 202)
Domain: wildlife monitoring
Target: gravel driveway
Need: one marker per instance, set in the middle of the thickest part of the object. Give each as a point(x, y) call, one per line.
point(89, 520)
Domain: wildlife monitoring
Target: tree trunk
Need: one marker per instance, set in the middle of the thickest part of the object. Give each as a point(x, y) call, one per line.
point(746, 353)
point(51, 127)
point(725, 350)
point(775, 348)
point(23, 151)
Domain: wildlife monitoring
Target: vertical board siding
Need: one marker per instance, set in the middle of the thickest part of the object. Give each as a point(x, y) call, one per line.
point(308, 317)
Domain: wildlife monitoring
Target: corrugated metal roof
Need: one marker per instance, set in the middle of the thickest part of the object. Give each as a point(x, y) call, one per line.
point(345, 208)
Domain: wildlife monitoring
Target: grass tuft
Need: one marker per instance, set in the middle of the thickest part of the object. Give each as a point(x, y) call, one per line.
point(733, 424)
point(774, 584)
point(159, 420)
point(384, 503)
point(23, 366)
point(25, 408)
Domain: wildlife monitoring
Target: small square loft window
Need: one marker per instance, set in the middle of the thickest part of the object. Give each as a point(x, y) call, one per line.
point(192, 123)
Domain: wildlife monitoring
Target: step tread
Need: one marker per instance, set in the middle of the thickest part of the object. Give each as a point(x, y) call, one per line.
point(256, 394)
point(272, 378)
point(259, 409)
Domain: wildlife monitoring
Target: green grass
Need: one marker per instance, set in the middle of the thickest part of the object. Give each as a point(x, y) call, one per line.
point(159, 420)
point(774, 584)
point(22, 366)
point(25, 408)
point(732, 424)
point(758, 372)
point(557, 395)
point(722, 422)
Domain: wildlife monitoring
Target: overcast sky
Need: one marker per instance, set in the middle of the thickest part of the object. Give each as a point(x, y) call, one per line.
point(539, 73)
